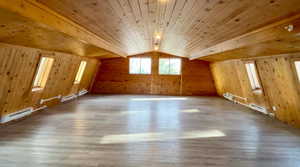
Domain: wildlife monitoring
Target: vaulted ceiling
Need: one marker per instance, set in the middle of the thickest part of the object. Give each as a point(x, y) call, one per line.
point(186, 27)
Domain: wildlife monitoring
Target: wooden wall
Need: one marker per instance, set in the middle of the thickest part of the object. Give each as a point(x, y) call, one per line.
point(278, 79)
point(18, 66)
point(113, 77)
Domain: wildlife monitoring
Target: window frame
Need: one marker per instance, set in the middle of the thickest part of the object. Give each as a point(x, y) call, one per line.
point(40, 84)
point(80, 72)
point(140, 68)
point(255, 78)
point(297, 72)
point(180, 70)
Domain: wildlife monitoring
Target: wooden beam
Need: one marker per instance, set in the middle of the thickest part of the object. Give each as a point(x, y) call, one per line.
point(269, 33)
point(42, 14)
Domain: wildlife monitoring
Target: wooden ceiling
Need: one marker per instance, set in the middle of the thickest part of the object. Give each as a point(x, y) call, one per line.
point(186, 27)
point(278, 38)
point(18, 30)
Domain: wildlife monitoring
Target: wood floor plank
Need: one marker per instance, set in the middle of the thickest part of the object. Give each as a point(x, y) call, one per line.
point(158, 131)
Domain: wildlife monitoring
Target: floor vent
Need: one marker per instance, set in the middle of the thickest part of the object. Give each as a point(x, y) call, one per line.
point(68, 98)
point(82, 92)
point(17, 115)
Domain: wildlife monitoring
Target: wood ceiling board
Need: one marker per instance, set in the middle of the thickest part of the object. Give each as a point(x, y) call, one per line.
point(264, 41)
point(18, 30)
point(275, 31)
point(187, 26)
point(242, 19)
point(42, 14)
point(276, 47)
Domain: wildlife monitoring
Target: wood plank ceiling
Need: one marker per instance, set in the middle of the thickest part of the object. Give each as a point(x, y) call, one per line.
point(18, 30)
point(185, 26)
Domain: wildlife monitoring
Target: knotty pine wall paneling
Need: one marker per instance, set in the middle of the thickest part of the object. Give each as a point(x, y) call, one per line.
point(234, 74)
point(196, 78)
point(282, 87)
point(18, 66)
point(278, 78)
point(113, 78)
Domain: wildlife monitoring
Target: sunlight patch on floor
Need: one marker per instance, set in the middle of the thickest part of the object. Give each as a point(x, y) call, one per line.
point(130, 112)
point(190, 111)
point(162, 136)
point(158, 99)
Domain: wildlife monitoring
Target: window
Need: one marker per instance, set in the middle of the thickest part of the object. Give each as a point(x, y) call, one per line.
point(42, 73)
point(297, 65)
point(252, 75)
point(80, 72)
point(140, 65)
point(170, 66)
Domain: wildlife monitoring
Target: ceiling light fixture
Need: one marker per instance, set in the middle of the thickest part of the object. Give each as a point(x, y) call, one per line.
point(162, 1)
point(158, 37)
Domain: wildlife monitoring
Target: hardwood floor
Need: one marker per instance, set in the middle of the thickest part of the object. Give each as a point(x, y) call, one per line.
point(149, 131)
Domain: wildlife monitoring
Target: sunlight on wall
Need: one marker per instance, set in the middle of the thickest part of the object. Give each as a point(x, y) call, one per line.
point(190, 110)
point(163, 136)
point(158, 99)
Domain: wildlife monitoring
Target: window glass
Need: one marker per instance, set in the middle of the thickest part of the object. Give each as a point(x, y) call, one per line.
point(80, 72)
point(140, 65)
point(297, 65)
point(164, 66)
point(175, 66)
point(252, 75)
point(42, 73)
point(134, 65)
point(145, 66)
point(170, 66)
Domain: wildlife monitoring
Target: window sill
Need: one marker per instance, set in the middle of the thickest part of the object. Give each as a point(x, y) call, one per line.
point(170, 74)
point(37, 89)
point(139, 74)
point(257, 91)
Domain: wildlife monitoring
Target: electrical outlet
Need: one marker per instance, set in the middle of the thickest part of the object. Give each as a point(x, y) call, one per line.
point(274, 108)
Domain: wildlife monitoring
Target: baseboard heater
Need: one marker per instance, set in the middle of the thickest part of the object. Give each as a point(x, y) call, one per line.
point(232, 97)
point(82, 92)
point(258, 108)
point(228, 96)
point(27, 111)
point(52, 98)
point(68, 98)
point(252, 106)
point(19, 114)
point(40, 108)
